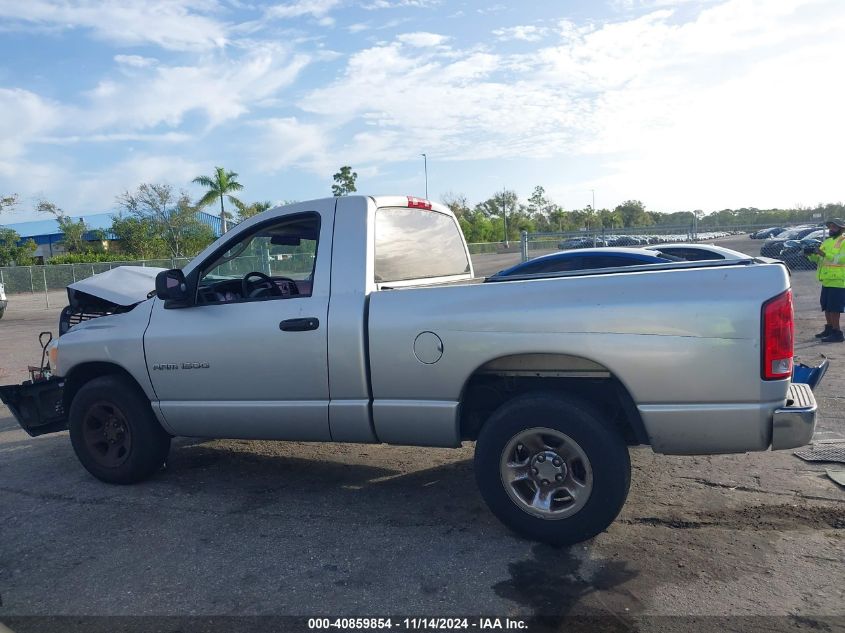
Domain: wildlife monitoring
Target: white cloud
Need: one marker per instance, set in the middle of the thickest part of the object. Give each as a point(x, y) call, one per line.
point(136, 61)
point(92, 191)
point(287, 142)
point(25, 116)
point(493, 8)
point(526, 33)
point(314, 8)
point(221, 88)
point(656, 97)
point(422, 39)
point(452, 105)
point(98, 189)
point(116, 137)
point(170, 24)
point(395, 4)
point(725, 103)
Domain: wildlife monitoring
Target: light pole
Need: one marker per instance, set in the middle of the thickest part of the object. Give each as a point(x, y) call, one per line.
point(505, 217)
point(425, 166)
point(694, 227)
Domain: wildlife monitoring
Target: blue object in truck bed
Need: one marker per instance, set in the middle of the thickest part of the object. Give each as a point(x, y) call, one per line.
point(809, 375)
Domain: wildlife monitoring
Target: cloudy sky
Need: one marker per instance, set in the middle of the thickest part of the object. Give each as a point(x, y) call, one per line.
point(683, 104)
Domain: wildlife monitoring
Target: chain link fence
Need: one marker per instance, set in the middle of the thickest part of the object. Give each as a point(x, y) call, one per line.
point(47, 278)
point(35, 279)
point(534, 244)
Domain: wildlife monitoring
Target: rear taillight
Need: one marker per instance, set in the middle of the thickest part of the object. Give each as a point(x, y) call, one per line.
point(777, 336)
point(418, 203)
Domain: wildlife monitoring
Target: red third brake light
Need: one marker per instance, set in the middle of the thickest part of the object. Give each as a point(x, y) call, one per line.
point(777, 337)
point(418, 203)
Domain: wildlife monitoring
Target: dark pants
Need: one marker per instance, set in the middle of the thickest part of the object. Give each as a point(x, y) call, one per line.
point(832, 299)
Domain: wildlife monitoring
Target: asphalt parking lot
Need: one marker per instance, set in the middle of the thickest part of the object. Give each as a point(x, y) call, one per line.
point(280, 528)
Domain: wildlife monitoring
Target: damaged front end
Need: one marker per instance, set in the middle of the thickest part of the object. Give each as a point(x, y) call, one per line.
point(38, 403)
point(113, 292)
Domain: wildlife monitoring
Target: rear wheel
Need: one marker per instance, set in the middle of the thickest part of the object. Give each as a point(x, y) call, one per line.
point(552, 468)
point(114, 432)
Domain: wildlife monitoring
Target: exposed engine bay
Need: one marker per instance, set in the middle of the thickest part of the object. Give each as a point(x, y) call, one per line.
point(112, 292)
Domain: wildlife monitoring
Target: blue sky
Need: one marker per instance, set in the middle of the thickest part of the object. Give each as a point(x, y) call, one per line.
point(683, 104)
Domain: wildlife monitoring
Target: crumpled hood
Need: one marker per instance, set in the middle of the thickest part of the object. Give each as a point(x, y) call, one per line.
point(123, 286)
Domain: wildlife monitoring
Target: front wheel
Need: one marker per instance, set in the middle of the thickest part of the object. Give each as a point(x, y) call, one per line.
point(114, 432)
point(552, 468)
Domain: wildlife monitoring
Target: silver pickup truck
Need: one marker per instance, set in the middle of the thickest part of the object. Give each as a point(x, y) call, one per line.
point(358, 319)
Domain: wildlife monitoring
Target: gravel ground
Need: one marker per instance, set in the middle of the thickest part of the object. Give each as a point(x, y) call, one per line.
point(281, 528)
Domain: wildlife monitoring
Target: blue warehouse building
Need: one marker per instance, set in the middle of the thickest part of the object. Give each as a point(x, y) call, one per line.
point(47, 235)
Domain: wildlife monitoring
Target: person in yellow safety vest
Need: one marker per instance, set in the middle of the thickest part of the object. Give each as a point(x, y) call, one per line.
point(830, 258)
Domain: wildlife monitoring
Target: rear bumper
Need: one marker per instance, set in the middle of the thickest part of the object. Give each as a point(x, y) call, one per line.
point(37, 406)
point(712, 429)
point(794, 424)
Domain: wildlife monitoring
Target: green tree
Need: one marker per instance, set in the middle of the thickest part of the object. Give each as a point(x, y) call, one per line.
point(344, 181)
point(610, 219)
point(220, 185)
point(170, 216)
point(8, 202)
point(457, 203)
point(633, 213)
point(479, 228)
point(138, 237)
point(12, 252)
point(247, 211)
point(538, 202)
point(503, 209)
point(74, 230)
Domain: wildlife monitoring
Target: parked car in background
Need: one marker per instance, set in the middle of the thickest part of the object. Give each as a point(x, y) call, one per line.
point(2, 300)
point(792, 252)
point(774, 246)
point(697, 252)
point(614, 239)
point(584, 259)
point(575, 242)
point(764, 234)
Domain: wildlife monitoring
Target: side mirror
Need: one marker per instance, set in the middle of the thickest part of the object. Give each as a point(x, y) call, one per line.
point(171, 286)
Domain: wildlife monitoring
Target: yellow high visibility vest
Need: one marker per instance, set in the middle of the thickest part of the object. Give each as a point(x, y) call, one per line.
point(831, 267)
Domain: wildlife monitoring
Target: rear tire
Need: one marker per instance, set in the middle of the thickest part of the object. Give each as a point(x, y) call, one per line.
point(552, 469)
point(114, 432)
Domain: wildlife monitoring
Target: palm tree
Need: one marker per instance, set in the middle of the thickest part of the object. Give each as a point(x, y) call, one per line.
point(221, 184)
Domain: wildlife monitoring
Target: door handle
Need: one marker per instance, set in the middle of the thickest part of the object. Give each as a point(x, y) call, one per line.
point(299, 325)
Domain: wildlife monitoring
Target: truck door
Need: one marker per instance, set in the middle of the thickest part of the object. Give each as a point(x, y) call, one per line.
point(249, 358)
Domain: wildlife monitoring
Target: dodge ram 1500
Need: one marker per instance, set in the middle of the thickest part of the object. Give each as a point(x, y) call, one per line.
point(357, 319)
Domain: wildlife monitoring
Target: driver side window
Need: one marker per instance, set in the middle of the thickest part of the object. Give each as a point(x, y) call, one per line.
point(273, 261)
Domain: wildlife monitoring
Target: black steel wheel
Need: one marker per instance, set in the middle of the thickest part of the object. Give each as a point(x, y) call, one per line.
point(114, 432)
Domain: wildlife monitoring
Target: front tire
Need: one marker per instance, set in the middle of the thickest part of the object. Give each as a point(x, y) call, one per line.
point(552, 468)
point(114, 432)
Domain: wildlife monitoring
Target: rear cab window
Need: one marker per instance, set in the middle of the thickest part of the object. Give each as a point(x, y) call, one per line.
point(414, 244)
